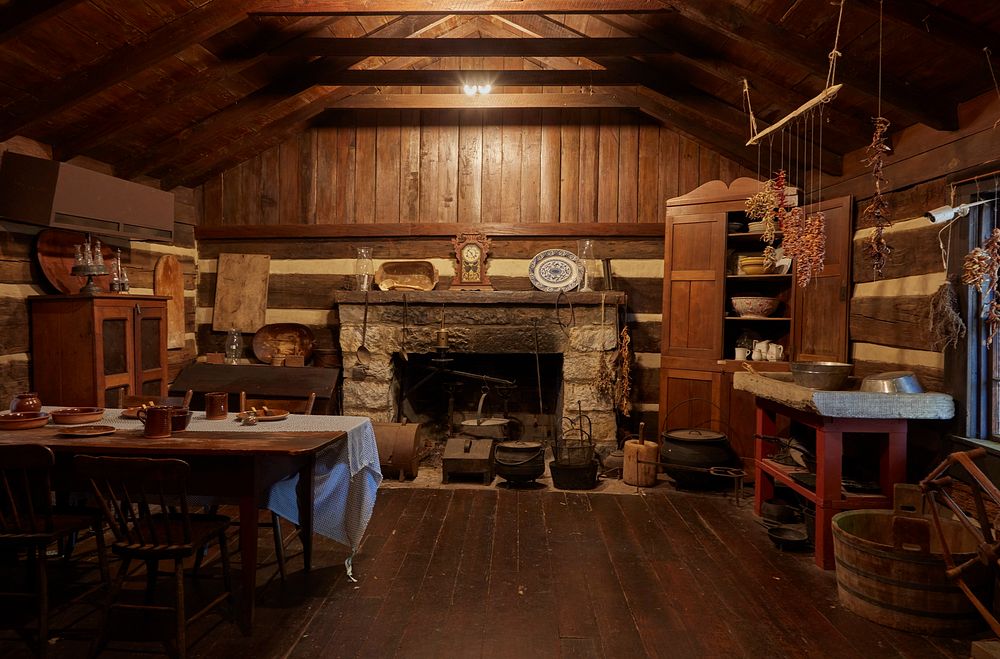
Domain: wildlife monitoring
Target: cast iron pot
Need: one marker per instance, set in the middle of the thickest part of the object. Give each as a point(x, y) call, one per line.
point(685, 452)
point(519, 461)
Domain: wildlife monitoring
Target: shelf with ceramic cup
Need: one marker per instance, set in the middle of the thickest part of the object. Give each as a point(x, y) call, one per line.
point(784, 318)
point(771, 277)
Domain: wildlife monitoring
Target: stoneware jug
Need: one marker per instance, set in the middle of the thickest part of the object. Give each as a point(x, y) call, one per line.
point(775, 352)
point(760, 349)
point(156, 420)
point(29, 402)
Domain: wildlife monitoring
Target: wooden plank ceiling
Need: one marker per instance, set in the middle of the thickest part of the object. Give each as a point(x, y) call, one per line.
point(178, 90)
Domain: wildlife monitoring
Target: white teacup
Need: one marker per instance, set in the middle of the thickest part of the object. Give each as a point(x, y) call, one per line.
point(742, 353)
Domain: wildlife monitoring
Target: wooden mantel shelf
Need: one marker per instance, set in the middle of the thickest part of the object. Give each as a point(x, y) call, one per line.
point(481, 297)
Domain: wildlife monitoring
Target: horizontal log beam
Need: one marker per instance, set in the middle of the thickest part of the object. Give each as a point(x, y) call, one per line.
point(463, 101)
point(17, 18)
point(474, 47)
point(392, 7)
point(459, 77)
point(251, 232)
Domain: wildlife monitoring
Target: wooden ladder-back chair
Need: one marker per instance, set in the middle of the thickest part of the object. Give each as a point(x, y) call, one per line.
point(145, 503)
point(28, 521)
point(136, 401)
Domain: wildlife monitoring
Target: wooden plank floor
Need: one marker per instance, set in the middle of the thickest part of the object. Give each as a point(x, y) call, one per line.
point(491, 572)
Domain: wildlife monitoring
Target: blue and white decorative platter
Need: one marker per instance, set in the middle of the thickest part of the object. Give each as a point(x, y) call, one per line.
point(555, 271)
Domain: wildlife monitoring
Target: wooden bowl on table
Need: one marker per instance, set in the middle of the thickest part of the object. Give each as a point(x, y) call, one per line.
point(23, 420)
point(77, 415)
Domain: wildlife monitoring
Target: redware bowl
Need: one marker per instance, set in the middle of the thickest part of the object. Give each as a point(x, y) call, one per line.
point(23, 420)
point(74, 415)
point(759, 307)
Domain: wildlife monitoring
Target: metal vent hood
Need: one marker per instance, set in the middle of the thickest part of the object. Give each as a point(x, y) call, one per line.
point(56, 194)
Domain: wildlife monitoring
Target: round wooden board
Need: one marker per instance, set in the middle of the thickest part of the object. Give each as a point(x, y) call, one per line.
point(169, 280)
point(56, 252)
point(281, 340)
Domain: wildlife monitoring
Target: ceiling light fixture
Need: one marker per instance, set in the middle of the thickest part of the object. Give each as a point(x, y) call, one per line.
point(472, 90)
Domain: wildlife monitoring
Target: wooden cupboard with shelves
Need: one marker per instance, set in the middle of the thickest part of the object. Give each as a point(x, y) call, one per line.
point(95, 350)
point(700, 328)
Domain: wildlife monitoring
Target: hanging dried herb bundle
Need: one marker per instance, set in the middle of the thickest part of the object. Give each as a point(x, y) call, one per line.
point(775, 217)
point(947, 326)
point(981, 269)
point(622, 397)
point(805, 243)
point(877, 212)
point(760, 205)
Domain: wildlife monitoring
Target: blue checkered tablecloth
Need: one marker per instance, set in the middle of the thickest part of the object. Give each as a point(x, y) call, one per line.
point(347, 473)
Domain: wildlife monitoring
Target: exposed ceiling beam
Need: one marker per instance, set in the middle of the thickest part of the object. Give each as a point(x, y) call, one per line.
point(462, 101)
point(194, 27)
point(391, 7)
point(698, 55)
point(281, 92)
point(736, 23)
point(147, 105)
point(938, 24)
point(18, 17)
point(331, 47)
point(460, 77)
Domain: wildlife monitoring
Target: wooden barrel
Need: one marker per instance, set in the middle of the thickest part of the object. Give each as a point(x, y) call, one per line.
point(398, 448)
point(634, 472)
point(890, 570)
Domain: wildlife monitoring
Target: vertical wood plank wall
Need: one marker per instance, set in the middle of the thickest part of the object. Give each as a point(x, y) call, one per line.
point(518, 166)
point(490, 166)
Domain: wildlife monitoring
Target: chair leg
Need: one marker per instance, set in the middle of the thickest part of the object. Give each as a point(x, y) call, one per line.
point(227, 578)
point(102, 629)
point(42, 586)
point(102, 556)
point(181, 618)
point(279, 544)
point(152, 569)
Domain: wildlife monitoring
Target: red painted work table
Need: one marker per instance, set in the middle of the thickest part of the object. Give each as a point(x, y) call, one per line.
point(828, 496)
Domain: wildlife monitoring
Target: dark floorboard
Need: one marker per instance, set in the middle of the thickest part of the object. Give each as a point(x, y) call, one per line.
point(495, 573)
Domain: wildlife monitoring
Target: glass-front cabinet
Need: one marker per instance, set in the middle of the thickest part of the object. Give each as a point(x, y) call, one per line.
point(95, 350)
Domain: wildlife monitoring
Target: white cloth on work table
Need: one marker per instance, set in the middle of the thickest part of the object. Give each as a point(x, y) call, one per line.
point(345, 481)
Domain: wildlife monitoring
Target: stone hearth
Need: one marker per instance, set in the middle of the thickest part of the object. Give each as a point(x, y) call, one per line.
point(481, 322)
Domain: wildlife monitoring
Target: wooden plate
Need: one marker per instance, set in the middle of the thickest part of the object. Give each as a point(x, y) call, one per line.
point(281, 340)
point(87, 431)
point(74, 415)
point(23, 420)
point(55, 256)
point(130, 413)
point(272, 415)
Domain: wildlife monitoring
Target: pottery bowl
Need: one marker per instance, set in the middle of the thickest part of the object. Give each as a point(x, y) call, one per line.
point(23, 420)
point(76, 415)
point(755, 306)
point(826, 376)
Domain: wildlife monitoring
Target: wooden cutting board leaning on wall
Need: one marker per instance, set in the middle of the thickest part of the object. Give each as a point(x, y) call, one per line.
point(169, 280)
point(241, 292)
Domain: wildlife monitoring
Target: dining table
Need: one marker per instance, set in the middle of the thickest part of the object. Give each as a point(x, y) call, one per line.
point(319, 472)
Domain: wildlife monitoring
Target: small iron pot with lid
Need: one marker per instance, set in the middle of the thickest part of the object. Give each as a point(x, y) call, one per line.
point(688, 453)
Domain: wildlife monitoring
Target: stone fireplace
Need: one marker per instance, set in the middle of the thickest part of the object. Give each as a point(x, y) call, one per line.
point(487, 323)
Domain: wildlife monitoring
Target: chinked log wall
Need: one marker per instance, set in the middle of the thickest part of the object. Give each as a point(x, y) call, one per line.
point(591, 173)
point(890, 321)
point(21, 276)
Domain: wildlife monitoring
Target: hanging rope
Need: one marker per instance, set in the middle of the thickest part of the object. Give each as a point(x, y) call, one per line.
point(993, 75)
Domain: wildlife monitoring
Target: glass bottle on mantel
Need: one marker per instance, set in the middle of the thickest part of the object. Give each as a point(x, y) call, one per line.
point(234, 346)
point(115, 283)
point(122, 275)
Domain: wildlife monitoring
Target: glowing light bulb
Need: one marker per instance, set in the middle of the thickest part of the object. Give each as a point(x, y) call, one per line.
point(470, 90)
point(485, 89)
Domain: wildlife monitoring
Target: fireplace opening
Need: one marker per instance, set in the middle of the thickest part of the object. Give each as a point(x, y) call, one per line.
point(442, 394)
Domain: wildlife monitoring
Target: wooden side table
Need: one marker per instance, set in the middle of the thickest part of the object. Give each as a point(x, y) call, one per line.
point(828, 496)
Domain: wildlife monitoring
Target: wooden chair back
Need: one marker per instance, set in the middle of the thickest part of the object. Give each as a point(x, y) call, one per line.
point(25, 503)
point(135, 493)
point(293, 405)
point(136, 401)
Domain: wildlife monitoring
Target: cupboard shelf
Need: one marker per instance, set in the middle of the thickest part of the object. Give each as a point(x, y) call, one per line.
point(771, 318)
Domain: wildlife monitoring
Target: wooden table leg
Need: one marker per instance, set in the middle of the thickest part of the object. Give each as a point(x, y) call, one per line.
point(248, 558)
point(823, 539)
point(304, 496)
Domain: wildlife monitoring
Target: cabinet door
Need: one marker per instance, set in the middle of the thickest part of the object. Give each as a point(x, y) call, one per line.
point(150, 350)
point(820, 325)
point(115, 347)
point(693, 275)
point(692, 399)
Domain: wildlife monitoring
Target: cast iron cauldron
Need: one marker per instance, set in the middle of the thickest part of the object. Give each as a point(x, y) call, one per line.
point(686, 451)
point(519, 461)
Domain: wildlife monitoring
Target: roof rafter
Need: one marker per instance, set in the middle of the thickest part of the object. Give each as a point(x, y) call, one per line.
point(194, 27)
point(16, 18)
point(389, 7)
point(492, 47)
point(463, 101)
point(459, 77)
point(943, 26)
point(736, 23)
